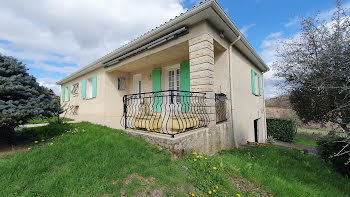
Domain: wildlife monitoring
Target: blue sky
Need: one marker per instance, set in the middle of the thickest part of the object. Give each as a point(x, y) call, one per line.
point(55, 38)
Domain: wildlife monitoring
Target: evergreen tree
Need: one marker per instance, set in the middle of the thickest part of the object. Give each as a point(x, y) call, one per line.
point(21, 97)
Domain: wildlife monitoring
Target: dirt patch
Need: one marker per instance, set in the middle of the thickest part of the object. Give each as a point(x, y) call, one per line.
point(146, 184)
point(6, 148)
point(249, 187)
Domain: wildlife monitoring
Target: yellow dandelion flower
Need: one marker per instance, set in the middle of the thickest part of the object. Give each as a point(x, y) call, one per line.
point(217, 187)
point(199, 153)
point(214, 190)
point(210, 192)
point(197, 156)
point(36, 142)
point(214, 168)
point(51, 144)
point(248, 152)
point(201, 156)
point(29, 148)
point(194, 159)
point(195, 153)
point(238, 195)
point(43, 140)
point(193, 194)
point(205, 158)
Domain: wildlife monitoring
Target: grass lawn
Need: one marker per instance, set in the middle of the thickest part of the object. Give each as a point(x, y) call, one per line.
point(304, 141)
point(98, 161)
point(45, 120)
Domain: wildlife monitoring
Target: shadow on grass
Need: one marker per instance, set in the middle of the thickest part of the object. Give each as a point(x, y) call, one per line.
point(24, 137)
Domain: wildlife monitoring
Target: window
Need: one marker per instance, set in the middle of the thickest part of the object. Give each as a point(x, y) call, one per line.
point(121, 83)
point(174, 79)
point(174, 82)
point(256, 83)
point(89, 88)
point(67, 95)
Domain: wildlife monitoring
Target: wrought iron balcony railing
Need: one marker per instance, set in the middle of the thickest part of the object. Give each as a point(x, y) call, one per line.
point(167, 112)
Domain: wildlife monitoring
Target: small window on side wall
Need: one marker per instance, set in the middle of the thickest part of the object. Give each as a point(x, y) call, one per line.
point(121, 83)
point(256, 83)
point(89, 88)
point(67, 95)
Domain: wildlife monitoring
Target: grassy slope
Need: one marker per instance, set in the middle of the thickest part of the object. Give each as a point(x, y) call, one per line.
point(87, 164)
point(286, 172)
point(304, 141)
point(44, 120)
point(97, 162)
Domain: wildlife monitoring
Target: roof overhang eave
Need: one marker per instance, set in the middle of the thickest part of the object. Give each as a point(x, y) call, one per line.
point(98, 63)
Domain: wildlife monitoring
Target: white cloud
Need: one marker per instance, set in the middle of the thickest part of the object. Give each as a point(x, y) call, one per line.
point(327, 14)
point(56, 69)
point(273, 42)
point(49, 83)
point(245, 28)
point(274, 35)
point(76, 32)
point(292, 22)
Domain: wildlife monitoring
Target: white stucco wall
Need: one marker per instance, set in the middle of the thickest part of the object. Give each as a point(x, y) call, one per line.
point(92, 106)
point(246, 106)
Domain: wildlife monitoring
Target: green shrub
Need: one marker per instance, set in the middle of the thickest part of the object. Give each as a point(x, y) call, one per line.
point(331, 144)
point(281, 129)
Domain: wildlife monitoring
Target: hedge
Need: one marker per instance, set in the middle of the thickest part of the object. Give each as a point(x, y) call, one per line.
point(281, 129)
point(331, 144)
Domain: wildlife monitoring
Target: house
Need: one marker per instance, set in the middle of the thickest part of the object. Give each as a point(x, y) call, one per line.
point(193, 83)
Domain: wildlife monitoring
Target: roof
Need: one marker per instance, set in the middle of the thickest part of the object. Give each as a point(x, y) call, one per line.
point(242, 44)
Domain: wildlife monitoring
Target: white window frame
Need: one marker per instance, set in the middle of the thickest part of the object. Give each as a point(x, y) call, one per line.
point(89, 88)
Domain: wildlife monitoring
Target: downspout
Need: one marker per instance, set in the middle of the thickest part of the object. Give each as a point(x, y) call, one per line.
point(231, 87)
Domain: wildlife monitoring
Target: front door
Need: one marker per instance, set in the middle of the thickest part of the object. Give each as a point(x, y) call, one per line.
point(256, 130)
point(173, 83)
point(137, 83)
point(137, 89)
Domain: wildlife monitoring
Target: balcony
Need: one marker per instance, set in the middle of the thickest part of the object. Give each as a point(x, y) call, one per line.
point(167, 112)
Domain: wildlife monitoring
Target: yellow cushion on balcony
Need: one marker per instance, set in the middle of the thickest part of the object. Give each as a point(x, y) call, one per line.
point(150, 123)
point(180, 123)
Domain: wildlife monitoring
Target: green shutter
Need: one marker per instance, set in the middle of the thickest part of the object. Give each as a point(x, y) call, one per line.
point(83, 88)
point(260, 85)
point(63, 94)
point(185, 85)
point(94, 86)
point(68, 98)
point(156, 74)
point(253, 81)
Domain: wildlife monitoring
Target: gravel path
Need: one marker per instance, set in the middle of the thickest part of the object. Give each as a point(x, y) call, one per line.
point(42, 124)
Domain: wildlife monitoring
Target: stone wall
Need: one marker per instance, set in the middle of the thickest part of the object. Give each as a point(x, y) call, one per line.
point(201, 52)
point(206, 140)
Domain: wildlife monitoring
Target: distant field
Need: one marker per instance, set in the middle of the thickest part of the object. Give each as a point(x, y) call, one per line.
point(280, 107)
